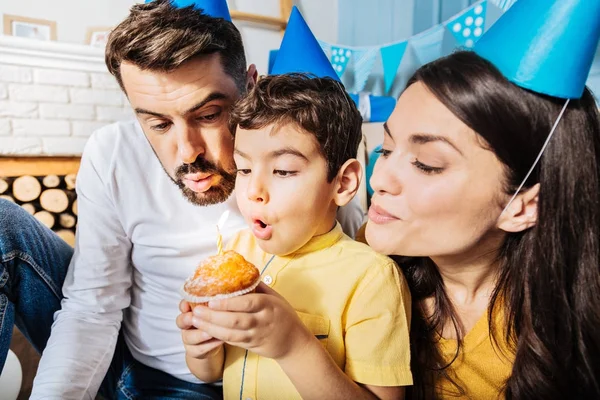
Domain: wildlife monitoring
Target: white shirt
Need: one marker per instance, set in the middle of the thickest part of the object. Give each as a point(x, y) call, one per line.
point(138, 239)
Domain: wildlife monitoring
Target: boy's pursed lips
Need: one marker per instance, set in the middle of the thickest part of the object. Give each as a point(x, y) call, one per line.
point(261, 228)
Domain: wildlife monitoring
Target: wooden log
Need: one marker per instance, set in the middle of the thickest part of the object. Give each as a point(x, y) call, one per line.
point(3, 185)
point(74, 208)
point(45, 218)
point(66, 220)
point(30, 208)
point(26, 188)
point(67, 235)
point(51, 181)
point(7, 197)
point(70, 181)
point(54, 200)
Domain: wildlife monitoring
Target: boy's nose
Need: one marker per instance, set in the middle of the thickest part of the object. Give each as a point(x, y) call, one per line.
point(257, 191)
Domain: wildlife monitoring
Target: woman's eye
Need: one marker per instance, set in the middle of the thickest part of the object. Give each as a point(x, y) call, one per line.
point(427, 169)
point(384, 153)
point(244, 171)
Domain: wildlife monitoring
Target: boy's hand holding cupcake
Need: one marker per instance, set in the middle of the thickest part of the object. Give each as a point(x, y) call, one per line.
point(200, 347)
point(262, 322)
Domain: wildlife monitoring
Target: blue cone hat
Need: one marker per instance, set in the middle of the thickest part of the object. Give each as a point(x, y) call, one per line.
point(214, 8)
point(546, 46)
point(300, 51)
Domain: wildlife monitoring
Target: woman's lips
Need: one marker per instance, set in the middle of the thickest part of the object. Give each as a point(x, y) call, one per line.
point(261, 230)
point(380, 216)
point(198, 183)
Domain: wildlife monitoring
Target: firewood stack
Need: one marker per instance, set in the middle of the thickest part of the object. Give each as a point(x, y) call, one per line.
point(50, 199)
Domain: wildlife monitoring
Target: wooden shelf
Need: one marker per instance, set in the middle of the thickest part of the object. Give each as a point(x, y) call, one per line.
point(259, 19)
point(285, 7)
point(38, 166)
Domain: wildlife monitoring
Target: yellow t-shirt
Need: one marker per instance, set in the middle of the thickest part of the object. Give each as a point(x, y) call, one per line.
point(354, 300)
point(483, 364)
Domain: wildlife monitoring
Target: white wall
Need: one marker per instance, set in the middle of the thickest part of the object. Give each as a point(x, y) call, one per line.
point(74, 17)
point(321, 16)
point(53, 95)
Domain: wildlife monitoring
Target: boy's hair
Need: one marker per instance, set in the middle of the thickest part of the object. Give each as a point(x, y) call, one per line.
point(319, 106)
point(158, 36)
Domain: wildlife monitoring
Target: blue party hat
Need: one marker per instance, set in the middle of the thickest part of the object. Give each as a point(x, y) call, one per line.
point(214, 8)
point(546, 46)
point(300, 51)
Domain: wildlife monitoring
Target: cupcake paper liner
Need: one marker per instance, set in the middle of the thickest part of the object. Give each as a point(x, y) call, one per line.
point(205, 299)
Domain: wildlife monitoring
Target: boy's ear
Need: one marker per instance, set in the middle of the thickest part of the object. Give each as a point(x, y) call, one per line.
point(522, 212)
point(251, 77)
point(348, 182)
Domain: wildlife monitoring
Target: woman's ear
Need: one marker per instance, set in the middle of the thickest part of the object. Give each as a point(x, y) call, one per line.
point(522, 212)
point(347, 182)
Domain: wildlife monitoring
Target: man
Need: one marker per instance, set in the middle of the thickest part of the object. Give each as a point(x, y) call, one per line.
point(138, 238)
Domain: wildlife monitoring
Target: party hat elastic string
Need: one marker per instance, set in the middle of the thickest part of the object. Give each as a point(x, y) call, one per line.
point(538, 156)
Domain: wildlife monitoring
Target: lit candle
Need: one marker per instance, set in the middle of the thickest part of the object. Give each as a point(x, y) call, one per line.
point(219, 241)
point(220, 226)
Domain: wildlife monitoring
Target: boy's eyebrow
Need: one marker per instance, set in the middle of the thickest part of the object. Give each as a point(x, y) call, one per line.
point(287, 151)
point(241, 154)
point(275, 153)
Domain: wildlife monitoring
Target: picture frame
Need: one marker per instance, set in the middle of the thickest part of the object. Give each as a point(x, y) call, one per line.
point(97, 36)
point(33, 28)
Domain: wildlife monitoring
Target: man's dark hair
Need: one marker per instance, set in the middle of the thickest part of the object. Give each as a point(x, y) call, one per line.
point(157, 36)
point(319, 106)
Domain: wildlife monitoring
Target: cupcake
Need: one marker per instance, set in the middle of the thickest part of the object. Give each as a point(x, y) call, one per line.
point(219, 277)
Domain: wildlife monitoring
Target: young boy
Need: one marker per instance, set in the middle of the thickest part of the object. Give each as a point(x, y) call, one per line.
point(331, 317)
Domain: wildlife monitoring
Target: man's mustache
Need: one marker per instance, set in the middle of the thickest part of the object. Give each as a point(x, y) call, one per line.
point(200, 165)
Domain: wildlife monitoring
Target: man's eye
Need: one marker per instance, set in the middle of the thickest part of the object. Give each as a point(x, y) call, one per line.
point(160, 127)
point(210, 117)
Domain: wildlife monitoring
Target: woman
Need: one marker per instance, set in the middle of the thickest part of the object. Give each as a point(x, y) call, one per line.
point(504, 303)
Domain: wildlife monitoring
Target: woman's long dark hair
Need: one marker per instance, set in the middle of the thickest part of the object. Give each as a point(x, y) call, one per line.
point(549, 277)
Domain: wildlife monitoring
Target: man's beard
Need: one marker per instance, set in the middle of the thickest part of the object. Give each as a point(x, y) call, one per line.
point(216, 194)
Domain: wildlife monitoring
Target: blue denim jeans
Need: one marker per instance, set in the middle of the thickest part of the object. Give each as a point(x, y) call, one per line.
point(33, 265)
point(130, 379)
